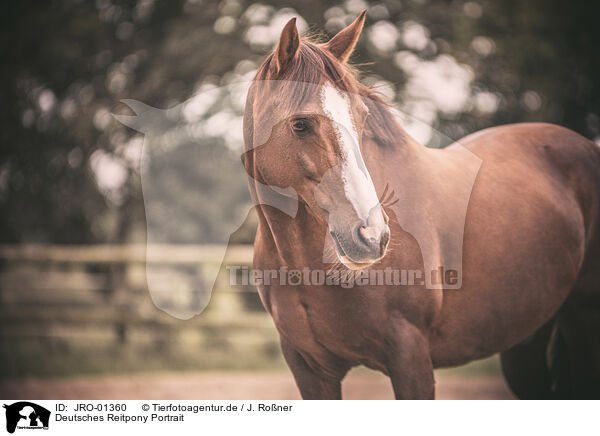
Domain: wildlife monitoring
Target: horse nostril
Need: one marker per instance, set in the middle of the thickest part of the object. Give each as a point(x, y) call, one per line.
point(368, 235)
point(374, 238)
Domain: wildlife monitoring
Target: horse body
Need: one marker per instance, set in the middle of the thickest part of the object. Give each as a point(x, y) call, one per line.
point(531, 242)
point(515, 271)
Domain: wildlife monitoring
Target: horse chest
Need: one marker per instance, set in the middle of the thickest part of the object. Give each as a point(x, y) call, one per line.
point(319, 323)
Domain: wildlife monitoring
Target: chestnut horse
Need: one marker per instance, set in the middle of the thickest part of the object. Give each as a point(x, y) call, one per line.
point(530, 279)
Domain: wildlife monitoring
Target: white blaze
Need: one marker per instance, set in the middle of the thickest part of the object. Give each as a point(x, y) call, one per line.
point(358, 185)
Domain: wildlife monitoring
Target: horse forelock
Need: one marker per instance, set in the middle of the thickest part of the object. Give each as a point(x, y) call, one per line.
point(312, 67)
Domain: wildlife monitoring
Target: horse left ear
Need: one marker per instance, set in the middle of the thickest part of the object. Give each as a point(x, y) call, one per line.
point(286, 50)
point(342, 45)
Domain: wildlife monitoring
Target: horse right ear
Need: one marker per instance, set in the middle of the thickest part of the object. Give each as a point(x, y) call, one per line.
point(286, 50)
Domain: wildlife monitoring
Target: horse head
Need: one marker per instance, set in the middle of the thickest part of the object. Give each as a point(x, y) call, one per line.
point(304, 122)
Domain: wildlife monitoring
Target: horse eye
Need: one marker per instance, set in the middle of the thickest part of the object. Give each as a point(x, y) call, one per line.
point(300, 126)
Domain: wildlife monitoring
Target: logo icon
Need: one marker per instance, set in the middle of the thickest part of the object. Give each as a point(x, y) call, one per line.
point(26, 415)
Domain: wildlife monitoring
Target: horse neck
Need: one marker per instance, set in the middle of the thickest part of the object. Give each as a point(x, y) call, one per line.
point(295, 242)
point(403, 166)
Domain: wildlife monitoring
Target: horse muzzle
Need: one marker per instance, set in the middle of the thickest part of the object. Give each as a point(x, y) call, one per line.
point(364, 245)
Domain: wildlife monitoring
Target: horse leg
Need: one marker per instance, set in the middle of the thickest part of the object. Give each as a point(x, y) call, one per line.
point(312, 386)
point(410, 367)
point(538, 368)
point(579, 322)
point(581, 326)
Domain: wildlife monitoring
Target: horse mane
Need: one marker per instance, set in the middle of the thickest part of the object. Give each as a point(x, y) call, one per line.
point(314, 65)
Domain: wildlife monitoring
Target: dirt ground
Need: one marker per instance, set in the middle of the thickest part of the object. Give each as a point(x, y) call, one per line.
point(232, 386)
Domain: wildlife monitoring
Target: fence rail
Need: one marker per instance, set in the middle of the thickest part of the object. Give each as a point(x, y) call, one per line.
point(86, 308)
point(132, 253)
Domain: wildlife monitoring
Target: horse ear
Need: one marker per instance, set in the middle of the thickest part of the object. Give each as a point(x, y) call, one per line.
point(342, 45)
point(286, 50)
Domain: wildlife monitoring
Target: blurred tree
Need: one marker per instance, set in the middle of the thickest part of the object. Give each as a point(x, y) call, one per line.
point(57, 73)
point(69, 173)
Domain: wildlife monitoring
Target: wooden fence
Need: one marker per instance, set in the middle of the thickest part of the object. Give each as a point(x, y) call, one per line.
point(75, 309)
